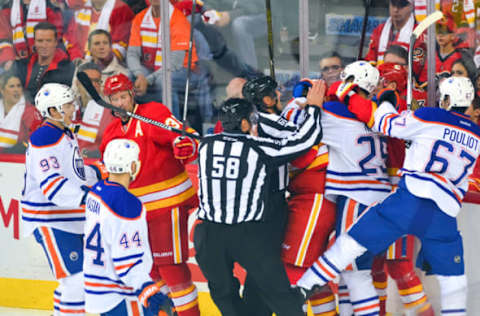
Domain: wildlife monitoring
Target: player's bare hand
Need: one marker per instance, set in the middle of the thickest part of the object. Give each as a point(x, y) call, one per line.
point(140, 85)
point(316, 94)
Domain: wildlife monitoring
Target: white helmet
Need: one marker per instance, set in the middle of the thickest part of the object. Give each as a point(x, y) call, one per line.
point(459, 90)
point(53, 95)
point(120, 154)
point(364, 75)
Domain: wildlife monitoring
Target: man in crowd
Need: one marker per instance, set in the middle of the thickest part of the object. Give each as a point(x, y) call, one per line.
point(17, 20)
point(113, 16)
point(331, 65)
point(47, 64)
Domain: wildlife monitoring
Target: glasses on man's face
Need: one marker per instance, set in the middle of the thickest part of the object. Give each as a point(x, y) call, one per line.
point(331, 68)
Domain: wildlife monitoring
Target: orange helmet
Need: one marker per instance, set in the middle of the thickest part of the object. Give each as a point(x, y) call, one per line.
point(394, 72)
point(117, 83)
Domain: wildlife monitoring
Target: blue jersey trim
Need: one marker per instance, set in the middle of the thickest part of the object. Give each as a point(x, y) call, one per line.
point(98, 277)
point(68, 219)
point(128, 257)
point(131, 267)
point(437, 115)
point(46, 135)
point(109, 292)
point(338, 108)
point(37, 203)
point(357, 189)
point(437, 184)
point(59, 186)
point(56, 174)
point(118, 199)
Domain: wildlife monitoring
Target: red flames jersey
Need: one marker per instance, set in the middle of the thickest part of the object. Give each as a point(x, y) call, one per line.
point(162, 183)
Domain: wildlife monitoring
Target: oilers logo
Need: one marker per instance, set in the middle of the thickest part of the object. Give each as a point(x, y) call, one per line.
point(78, 164)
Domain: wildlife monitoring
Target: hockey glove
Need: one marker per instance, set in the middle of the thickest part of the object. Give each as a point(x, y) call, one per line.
point(100, 170)
point(151, 297)
point(184, 148)
point(388, 95)
point(301, 88)
point(344, 91)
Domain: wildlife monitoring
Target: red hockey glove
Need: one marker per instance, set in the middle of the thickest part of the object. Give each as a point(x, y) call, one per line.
point(184, 147)
point(344, 91)
point(151, 297)
point(362, 108)
point(388, 95)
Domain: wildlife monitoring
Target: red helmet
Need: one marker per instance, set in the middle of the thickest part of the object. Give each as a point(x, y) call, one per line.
point(394, 72)
point(117, 83)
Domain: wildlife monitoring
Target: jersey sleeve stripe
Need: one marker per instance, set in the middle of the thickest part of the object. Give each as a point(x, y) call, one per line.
point(49, 220)
point(52, 184)
point(48, 178)
point(138, 255)
point(130, 268)
point(59, 186)
point(75, 211)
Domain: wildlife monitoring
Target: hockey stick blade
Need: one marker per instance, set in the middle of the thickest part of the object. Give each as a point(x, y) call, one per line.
point(87, 84)
point(429, 20)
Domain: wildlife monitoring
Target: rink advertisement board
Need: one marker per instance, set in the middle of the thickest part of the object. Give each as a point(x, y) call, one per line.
point(336, 24)
point(26, 280)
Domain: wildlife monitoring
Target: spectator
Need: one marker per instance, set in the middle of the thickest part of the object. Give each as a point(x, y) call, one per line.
point(331, 65)
point(109, 15)
point(17, 20)
point(464, 67)
point(474, 112)
point(95, 118)
point(247, 21)
point(95, 74)
point(396, 54)
point(397, 28)
point(144, 59)
point(18, 119)
point(447, 50)
point(48, 64)
point(101, 49)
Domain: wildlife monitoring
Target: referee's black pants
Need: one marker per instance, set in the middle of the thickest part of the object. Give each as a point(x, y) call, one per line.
point(255, 248)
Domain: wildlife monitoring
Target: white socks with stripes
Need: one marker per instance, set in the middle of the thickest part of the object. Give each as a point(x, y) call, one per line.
point(333, 261)
point(454, 294)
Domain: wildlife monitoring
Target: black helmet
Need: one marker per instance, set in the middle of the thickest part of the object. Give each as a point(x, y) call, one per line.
point(255, 89)
point(233, 111)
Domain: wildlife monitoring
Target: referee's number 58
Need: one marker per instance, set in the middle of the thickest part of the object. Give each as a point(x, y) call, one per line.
point(228, 168)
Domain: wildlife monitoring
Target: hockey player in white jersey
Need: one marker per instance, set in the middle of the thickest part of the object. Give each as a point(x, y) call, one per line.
point(443, 150)
point(117, 258)
point(356, 177)
point(55, 188)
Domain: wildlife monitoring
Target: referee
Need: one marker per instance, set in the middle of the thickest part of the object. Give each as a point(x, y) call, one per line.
point(234, 183)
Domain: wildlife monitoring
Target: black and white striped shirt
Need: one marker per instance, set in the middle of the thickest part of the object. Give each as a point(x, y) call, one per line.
point(235, 170)
point(276, 127)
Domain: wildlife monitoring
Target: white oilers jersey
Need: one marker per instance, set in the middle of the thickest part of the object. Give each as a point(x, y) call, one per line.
point(117, 259)
point(357, 157)
point(54, 175)
point(444, 148)
point(292, 112)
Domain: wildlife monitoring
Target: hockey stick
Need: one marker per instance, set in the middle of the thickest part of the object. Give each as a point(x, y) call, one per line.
point(270, 37)
point(428, 21)
point(87, 83)
point(364, 28)
point(189, 68)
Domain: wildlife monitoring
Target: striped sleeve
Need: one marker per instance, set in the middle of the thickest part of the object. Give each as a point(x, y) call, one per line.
point(48, 171)
point(296, 143)
point(390, 123)
point(131, 255)
point(274, 126)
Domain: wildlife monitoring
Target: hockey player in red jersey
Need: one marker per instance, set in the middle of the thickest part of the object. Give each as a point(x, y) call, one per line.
point(311, 217)
point(162, 185)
